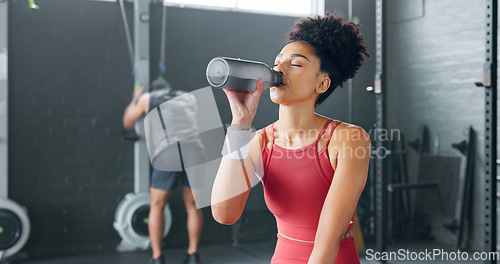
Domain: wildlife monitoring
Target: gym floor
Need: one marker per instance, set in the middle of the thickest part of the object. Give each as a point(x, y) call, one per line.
point(245, 253)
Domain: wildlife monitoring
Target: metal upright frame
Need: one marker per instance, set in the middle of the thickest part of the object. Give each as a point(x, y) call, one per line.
point(11, 211)
point(490, 147)
point(349, 82)
point(381, 194)
point(4, 99)
point(141, 66)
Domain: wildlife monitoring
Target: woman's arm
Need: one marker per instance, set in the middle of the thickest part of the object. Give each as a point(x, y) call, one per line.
point(234, 178)
point(353, 156)
point(233, 183)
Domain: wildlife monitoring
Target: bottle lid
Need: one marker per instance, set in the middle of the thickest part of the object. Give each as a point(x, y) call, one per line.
point(217, 72)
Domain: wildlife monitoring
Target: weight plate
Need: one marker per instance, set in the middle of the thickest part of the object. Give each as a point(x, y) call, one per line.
point(140, 220)
point(130, 220)
point(14, 227)
point(10, 228)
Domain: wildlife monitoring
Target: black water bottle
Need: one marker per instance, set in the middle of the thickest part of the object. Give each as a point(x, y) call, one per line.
point(238, 74)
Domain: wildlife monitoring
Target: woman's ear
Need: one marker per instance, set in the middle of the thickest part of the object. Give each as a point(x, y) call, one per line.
point(324, 84)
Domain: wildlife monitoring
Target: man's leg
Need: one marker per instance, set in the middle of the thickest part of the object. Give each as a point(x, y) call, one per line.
point(156, 223)
point(194, 221)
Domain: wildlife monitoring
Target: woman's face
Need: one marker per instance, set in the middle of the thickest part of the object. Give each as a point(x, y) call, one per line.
point(302, 78)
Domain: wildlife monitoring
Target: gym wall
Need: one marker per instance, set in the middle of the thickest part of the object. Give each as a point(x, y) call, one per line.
point(363, 102)
point(69, 82)
point(435, 54)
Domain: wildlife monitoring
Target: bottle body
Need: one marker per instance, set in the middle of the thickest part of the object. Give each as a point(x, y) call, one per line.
point(238, 74)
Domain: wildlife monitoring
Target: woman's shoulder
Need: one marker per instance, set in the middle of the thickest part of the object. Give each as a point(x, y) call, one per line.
point(347, 126)
point(347, 132)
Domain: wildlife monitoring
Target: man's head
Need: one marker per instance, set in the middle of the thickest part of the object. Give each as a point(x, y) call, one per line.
point(159, 84)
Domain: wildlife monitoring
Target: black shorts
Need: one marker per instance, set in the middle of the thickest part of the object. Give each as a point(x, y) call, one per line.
point(193, 154)
point(168, 180)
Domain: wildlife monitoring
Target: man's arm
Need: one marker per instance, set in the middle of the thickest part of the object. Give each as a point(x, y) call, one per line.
point(136, 109)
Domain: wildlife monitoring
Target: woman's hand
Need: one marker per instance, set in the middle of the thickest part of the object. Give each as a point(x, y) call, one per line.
point(244, 104)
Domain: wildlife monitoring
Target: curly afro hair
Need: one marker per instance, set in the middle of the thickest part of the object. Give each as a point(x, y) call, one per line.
point(339, 46)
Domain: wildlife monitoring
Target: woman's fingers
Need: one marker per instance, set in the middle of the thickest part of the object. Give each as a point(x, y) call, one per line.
point(253, 99)
point(244, 104)
point(260, 88)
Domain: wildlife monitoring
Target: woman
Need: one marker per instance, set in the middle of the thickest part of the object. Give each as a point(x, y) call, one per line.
point(313, 168)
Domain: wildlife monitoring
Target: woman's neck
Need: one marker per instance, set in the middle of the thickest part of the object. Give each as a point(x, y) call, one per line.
point(298, 122)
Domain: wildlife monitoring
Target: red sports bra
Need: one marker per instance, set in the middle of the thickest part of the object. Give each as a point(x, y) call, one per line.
point(296, 182)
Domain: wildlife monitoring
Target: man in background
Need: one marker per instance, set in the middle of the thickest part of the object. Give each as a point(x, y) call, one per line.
point(164, 182)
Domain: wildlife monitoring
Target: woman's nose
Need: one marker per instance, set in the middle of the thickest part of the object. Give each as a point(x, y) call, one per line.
point(277, 67)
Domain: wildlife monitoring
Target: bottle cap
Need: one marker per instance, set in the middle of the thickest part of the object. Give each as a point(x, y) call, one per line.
point(217, 72)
